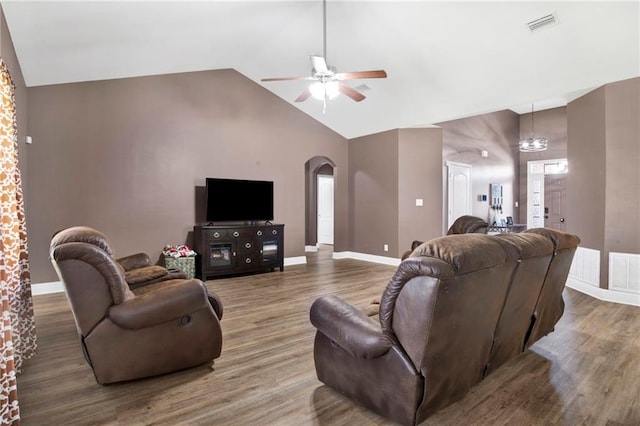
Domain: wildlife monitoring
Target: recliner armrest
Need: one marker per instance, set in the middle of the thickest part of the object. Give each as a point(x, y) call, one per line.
point(169, 302)
point(134, 261)
point(349, 328)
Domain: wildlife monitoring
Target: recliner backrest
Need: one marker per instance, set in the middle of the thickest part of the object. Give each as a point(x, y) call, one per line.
point(93, 280)
point(468, 225)
point(82, 234)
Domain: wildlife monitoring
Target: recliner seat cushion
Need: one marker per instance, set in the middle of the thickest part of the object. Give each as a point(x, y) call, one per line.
point(145, 274)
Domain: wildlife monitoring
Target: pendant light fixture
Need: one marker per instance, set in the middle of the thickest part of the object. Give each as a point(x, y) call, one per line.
point(533, 143)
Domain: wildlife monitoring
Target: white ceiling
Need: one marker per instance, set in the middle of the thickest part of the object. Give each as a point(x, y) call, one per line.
point(445, 60)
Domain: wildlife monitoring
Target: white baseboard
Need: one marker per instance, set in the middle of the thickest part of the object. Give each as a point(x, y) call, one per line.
point(298, 260)
point(310, 249)
point(604, 294)
point(393, 261)
point(47, 288)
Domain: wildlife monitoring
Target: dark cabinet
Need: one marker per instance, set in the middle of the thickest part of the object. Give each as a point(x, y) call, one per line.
point(237, 249)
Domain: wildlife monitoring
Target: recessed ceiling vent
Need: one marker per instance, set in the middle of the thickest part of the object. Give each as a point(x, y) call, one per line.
point(543, 22)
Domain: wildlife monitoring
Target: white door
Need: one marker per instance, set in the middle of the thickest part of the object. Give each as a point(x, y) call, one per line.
point(325, 209)
point(459, 190)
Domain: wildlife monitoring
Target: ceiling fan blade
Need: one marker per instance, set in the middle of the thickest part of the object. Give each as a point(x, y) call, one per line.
point(287, 78)
point(350, 92)
point(361, 74)
point(304, 96)
point(319, 64)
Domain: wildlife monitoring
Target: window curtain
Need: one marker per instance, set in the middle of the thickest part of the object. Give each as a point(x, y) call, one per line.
point(17, 325)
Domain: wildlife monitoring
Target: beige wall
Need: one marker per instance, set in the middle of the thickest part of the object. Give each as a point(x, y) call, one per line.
point(126, 156)
point(497, 133)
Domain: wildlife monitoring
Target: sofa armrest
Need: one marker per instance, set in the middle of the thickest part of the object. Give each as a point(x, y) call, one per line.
point(134, 261)
point(216, 304)
point(166, 303)
point(349, 328)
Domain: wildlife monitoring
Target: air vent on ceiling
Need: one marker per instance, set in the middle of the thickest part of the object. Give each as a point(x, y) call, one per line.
point(543, 22)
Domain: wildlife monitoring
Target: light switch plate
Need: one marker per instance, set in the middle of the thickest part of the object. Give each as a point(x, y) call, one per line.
point(419, 202)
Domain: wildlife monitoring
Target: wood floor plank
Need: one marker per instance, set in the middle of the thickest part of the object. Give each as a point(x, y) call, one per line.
point(586, 372)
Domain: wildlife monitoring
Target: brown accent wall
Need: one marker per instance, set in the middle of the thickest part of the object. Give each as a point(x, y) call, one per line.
point(126, 156)
point(373, 193)
point(603, 206)
point(552, 124)
point(497, 133)
point(622, 211)
point(388, 171)
point(587, 169)
point(419, 176)
point(8, 55)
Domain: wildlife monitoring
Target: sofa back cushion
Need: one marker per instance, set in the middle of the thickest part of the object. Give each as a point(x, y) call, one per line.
point(516, 320)
point(443, 306)
point(550, 305)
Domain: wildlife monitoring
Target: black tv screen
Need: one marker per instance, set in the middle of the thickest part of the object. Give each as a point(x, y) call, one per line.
point(233, 200)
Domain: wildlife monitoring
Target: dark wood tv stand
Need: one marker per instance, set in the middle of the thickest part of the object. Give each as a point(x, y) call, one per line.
point(238, 249)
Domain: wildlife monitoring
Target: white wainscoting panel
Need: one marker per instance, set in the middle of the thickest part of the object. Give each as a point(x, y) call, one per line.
point(586, 266)
point(624, 272)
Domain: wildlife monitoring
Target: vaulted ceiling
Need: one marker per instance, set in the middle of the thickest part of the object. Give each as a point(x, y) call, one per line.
point(444, 60)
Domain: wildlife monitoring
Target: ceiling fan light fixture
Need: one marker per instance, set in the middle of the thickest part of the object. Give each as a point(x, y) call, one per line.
point(324, 89)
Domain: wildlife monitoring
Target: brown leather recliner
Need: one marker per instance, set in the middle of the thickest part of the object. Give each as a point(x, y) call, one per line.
point(468, 225)
point(139, 271)
point(138, 268)
point(129, 334)
point(454, 311)
point(462, 225)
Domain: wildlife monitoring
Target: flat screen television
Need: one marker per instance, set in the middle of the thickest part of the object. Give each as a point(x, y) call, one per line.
point(234, 200)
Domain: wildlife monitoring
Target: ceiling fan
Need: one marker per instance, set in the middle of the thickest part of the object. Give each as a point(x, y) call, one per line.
point(327, 82)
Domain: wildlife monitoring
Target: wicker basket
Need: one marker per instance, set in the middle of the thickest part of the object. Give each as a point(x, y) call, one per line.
point(185, 264)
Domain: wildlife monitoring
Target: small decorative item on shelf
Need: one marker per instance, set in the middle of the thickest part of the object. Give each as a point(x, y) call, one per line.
point(180, 257)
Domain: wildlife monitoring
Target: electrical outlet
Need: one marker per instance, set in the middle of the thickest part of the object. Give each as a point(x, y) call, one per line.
point(386, 247)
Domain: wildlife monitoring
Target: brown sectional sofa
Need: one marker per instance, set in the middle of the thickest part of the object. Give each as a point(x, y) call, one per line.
point(455, 310)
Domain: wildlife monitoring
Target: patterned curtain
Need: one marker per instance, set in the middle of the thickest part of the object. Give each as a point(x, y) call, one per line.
point(17, 326)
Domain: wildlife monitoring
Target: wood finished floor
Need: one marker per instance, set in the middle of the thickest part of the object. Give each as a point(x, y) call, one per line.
point(585, 373)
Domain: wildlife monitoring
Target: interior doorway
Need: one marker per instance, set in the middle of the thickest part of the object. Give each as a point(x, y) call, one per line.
point(325, 209)
point(315, 167)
